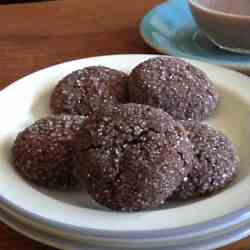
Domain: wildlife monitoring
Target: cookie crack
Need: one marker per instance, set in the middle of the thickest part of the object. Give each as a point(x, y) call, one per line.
point(134, 141)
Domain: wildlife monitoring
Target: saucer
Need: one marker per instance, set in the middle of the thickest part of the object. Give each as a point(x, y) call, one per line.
point(170, 29)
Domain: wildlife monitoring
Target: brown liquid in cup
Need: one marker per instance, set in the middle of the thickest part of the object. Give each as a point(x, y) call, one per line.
point(238, 7)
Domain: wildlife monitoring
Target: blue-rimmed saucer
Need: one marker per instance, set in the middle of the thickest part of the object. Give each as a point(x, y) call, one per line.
point(170, 29)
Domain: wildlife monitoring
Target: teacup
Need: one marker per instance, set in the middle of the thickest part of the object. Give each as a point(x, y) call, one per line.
point(225, 22)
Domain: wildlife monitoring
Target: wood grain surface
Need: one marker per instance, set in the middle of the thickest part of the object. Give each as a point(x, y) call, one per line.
point(37, 35)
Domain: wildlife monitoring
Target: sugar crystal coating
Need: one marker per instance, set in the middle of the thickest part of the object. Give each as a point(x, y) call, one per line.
point(42, 153)
point(179, 88)
point(85, 91)
point(215, 163)
point(134, 156)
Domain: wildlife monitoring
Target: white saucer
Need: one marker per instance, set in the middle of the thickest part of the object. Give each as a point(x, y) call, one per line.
point(76, 216)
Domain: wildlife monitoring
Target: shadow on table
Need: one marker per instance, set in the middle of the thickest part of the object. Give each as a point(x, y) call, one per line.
point(22, 1)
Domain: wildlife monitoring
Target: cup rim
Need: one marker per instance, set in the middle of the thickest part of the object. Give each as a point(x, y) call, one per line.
point(197, 4)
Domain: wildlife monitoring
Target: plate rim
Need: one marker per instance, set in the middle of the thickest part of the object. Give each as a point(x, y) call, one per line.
point(53, 240)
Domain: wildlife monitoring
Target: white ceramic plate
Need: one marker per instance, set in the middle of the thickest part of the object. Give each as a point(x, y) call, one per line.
point(24, 227)
point(27, 100)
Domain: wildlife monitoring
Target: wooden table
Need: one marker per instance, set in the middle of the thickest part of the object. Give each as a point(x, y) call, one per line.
point(34, 36)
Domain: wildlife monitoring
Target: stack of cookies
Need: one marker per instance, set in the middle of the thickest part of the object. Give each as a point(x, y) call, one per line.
point(136, 140)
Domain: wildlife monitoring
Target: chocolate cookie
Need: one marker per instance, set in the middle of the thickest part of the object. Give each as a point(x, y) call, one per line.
point(134, 156)
point(179, 88)
point(42, 153)
point(215, 162)
point(84, 91)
